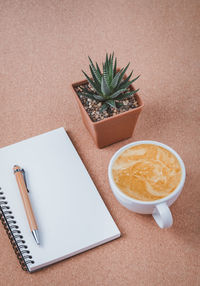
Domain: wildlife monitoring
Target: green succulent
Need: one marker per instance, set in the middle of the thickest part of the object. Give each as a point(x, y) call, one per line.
point(109, 87)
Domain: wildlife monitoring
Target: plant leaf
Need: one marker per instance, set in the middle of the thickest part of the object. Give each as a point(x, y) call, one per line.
point(119, 81)
point(125, 80)
point(115, 80)
point(95, 78)
point(105, 75)
point(122, 73)
point(111, 102)
point(98, 77)
point(86, 94)
point(109, 60)
point(126, 84)
point(98, 97)
point(93, 84)
point(117, 93)
point(106, 63)
point(87, 90)
point(136, 78)
point(111, 68)
point(103, 107)
point(132, 92)
point(104, 87)
point(98, 70)
point(115, 67)
point(128, 94)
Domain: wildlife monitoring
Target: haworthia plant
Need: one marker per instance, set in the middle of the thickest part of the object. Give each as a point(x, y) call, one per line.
point(108, 85)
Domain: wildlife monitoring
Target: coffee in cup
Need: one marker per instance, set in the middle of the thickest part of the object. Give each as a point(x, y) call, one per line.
point(146, 172)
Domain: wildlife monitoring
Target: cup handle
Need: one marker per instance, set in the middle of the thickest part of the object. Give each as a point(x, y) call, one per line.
point(162, 215)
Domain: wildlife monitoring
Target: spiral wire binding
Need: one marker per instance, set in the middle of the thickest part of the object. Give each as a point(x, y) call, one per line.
point(14, 234)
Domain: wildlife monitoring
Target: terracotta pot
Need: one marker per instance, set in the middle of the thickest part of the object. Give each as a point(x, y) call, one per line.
point(112, 129)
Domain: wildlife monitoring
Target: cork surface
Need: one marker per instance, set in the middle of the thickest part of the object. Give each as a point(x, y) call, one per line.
point(44, 46)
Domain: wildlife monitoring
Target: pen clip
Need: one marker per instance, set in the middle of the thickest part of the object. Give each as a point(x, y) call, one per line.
point(23, 173)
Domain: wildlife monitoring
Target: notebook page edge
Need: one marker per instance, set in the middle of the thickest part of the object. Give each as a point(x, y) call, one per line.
point(59, 259)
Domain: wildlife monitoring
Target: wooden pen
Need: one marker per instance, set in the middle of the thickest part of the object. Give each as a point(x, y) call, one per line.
point(21, 181)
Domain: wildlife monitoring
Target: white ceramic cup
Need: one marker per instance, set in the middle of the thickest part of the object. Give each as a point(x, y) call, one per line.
point(158, 208)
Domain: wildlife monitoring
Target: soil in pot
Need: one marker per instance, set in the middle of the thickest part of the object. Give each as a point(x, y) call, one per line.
point(93, 107)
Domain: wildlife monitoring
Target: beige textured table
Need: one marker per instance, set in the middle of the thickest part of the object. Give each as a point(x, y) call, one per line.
point(43, 47)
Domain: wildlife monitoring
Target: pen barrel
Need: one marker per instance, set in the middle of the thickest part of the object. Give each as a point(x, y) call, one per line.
point(26, 201)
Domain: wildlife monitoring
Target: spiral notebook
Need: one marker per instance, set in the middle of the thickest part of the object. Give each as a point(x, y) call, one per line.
point(69, 211)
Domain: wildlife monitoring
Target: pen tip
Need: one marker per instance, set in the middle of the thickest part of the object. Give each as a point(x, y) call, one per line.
point(36, 236)
point(15, 166)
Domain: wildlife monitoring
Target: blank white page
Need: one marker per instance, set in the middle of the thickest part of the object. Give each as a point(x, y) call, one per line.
point(69, 211)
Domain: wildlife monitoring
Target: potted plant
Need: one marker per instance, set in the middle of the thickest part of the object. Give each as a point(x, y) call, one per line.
point(108, 102)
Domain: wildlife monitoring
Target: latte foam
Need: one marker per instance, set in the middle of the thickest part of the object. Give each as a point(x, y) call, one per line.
point(146, 172)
